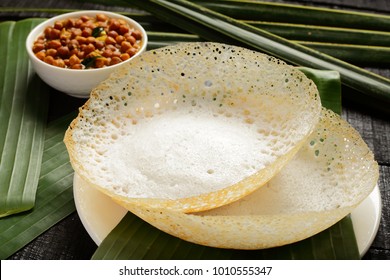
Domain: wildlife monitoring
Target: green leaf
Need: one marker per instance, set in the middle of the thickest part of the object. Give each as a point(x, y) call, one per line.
point(292, 13)
point(135, 239)
point(23, 111)
point(320, 33)
point(356, 54)
point(162, 39)
point(54, 194)
point(97, 31)
point(372, 89)
point(328, 85)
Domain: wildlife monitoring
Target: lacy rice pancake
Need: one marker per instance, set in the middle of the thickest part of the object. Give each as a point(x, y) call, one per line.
point(330, 175)
point(192, 127)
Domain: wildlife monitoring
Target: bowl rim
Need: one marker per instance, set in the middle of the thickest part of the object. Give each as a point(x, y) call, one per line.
point(37, 30)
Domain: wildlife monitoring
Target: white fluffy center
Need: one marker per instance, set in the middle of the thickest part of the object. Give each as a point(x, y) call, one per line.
point(180, 154)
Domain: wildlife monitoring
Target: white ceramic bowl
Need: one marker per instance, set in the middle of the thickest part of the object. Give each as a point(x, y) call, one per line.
point(77, 83)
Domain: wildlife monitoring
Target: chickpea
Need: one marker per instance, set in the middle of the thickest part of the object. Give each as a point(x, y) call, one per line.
point(76, 66)
point(54, 44)
point(75, 32)
point(107, 53)
point(51, 52)
point(125, 46)
point(65, 35)
point(100, 62)
point(91, 40)
point(112, 34)
point(38, 47)
point(47, 32)
point(63, 51)
point(84, 18)
point(88, 48)
point(80, 54)
point(131, 39)
point(87, 31)
point(136, 34)
point(71, 22)
point(101, 17)
point(40, 55)
point(74, 60)
point(81, 40)
point(116, 54)
point(114, 25)
point(123, 29)
point(58, 25)
point(124, 56)
point(132, 51)
point(40, 40)
point(59, 63)
point(90, 24)
point(111, 47)
point(73, 44)
point(78, 23)
point(99, 44)
point(115, 60)
point(110, 41)
point(54, 34)
point(49, 59)
point(119, 39)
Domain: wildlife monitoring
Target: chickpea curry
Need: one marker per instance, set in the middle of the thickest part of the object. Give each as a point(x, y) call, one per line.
point(87, 42)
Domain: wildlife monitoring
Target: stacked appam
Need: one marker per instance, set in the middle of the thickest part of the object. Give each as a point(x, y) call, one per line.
point(220, 146)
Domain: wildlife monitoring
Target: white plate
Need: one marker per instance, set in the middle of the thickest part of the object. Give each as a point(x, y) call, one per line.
point(99, 214)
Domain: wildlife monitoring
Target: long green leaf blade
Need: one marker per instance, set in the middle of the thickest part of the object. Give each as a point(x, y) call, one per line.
point(292, 13)
point(356, 54)
point(255, 10)
point(373, 89)
point(320, 33)
point(54, 194)
point(23, 110)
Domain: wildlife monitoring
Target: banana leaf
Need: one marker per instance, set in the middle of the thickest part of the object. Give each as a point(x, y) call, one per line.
point(370, 89)
point(292, 13)
point(356, 54)
point(23, 111)
point(135, 239)
point(54, 194)
point(255, 10)
point(320, 33)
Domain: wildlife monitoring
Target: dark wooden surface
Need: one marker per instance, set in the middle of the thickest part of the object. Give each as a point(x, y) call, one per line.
point(69, 240)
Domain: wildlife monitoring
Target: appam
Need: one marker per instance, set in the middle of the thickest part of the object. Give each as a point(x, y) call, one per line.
point(192, 127)
point(330, 175)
